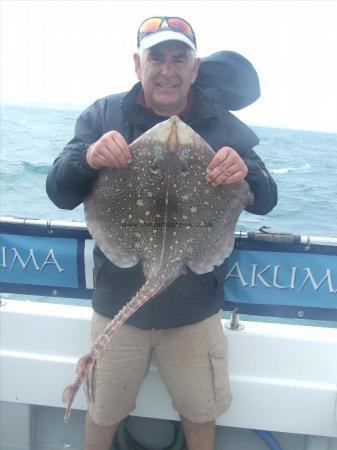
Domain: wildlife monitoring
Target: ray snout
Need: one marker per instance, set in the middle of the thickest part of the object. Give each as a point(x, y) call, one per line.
point(174, 133)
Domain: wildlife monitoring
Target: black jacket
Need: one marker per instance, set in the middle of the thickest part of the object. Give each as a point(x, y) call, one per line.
point(191, 297)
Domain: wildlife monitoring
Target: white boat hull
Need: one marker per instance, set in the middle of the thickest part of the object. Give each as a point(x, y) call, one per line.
point(283, 380)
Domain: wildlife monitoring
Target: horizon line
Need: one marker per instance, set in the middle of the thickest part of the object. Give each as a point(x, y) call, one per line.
point(81, 106)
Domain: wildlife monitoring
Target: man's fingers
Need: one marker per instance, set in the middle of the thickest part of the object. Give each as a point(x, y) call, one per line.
point(222, 169)
point(228, 177)
point(221, 174)
point(113, 153)
point(118, 148)
point(233, 178)
point(111, 150)
point(219, 158)
point(226, 168)
point(110, 160)
point(99, 156)
point(122, 144)
point(105, 159)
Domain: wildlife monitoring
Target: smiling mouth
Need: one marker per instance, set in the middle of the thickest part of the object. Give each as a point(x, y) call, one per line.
point(166, 86)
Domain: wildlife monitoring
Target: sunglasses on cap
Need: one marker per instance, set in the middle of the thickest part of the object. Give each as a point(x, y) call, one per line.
point(154, 24)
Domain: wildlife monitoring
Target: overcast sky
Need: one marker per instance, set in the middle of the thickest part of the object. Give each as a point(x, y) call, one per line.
point(73, 52)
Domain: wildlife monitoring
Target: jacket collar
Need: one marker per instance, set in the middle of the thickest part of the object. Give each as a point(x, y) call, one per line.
point(136, 114)
point(142, 102)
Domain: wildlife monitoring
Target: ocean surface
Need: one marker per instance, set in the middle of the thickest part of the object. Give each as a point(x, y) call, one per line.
point(303, 164)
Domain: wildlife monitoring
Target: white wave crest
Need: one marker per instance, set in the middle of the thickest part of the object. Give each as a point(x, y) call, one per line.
point(291, 169)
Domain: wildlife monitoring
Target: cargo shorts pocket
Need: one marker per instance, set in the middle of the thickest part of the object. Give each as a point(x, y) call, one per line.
point(219, 366)
point(88, 385)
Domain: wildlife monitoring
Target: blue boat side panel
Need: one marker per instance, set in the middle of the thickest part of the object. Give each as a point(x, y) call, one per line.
point(282, 278)
point(262, 278)
point(46, 291)
point(39, 265)
point(290, 312)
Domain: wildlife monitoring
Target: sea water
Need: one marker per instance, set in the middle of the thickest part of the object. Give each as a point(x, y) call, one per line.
point(303, 164)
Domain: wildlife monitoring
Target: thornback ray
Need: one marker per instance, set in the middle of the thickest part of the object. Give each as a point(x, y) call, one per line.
point(160, 210)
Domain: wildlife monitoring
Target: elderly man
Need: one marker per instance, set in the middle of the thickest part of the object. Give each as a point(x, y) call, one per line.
point(181, 326)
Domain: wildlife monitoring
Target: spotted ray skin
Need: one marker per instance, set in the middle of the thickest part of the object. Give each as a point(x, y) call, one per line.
point(160, 210)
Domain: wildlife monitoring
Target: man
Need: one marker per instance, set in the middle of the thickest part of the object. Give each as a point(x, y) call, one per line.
point(180, 326)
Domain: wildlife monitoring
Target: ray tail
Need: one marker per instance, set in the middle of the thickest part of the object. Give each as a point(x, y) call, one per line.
point(150, 288)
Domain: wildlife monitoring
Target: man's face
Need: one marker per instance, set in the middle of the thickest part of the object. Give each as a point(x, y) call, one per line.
point(166, 72)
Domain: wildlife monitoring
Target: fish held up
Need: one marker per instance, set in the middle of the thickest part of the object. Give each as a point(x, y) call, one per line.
point(161, 211)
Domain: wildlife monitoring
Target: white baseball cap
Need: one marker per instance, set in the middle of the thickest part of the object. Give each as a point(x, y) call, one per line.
point(155, 30)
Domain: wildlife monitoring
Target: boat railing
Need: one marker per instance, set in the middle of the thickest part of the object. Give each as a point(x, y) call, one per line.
point(267, 274)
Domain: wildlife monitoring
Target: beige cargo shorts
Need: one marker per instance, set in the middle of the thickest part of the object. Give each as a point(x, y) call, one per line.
point(192, 361)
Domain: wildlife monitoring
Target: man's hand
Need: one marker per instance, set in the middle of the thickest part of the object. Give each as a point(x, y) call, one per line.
point(226, 167)
point(111, 150)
